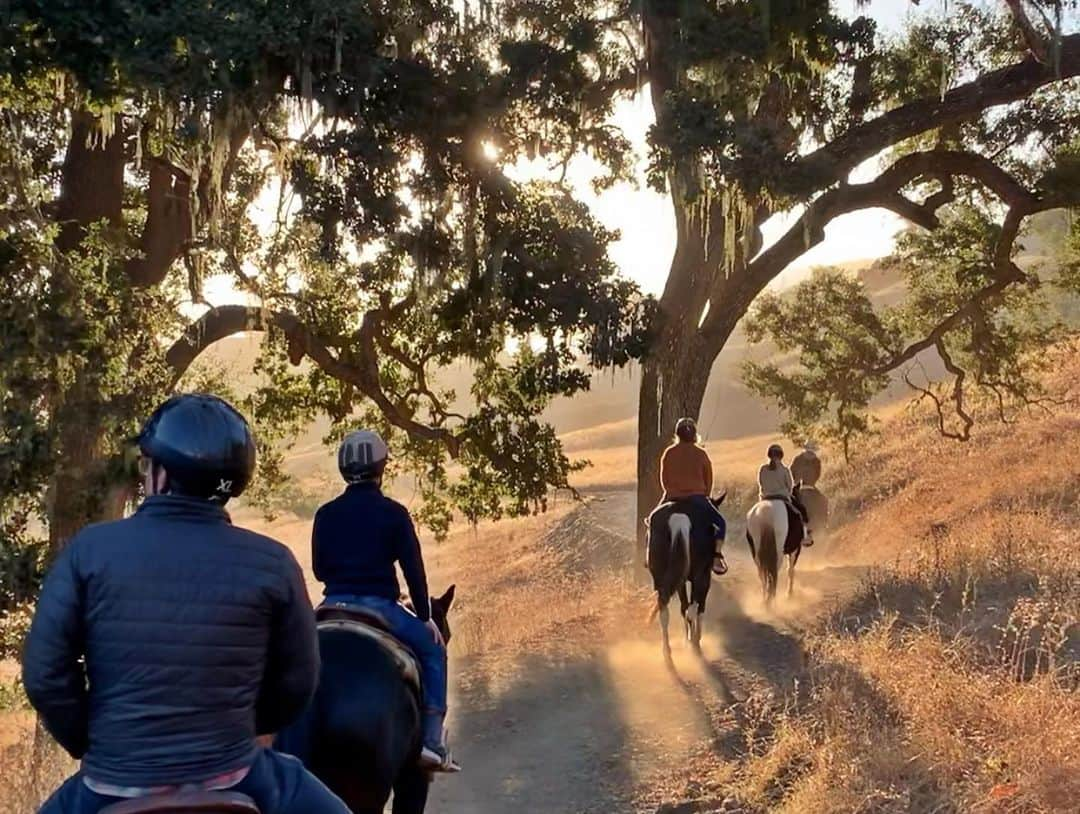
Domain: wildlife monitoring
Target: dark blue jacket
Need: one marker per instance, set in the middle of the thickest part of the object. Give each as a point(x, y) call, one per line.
point(197, 635)
point(357, 538)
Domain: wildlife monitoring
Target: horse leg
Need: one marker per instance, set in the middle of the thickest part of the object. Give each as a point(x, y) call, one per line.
point(411, 791)
point(792, 559)
point(665, 617)
point(693, 620)
point(699, 591)
point(685, 610)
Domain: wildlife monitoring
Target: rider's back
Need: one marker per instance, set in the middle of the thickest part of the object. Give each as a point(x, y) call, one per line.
point(196, 634)
point(356, 539)
point(685, 471)
point(774, 481)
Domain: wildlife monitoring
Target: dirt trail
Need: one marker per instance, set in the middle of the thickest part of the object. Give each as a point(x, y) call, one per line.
point(587, 722)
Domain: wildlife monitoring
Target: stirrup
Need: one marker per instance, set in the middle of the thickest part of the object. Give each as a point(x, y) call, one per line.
point(431, 760)
point(719, 565)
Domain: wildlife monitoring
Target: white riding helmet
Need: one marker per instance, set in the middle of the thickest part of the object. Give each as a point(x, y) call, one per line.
point(362, 456)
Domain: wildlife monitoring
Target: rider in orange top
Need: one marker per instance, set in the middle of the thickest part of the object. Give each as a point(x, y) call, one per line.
point(686, 474)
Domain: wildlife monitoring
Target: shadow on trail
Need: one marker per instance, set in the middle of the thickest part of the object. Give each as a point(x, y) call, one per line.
point(552, 739)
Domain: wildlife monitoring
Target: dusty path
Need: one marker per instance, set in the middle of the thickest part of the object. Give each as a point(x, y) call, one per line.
point(589, 722)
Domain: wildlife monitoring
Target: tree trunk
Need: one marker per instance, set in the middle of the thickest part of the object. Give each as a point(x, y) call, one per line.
point(92, 183)
point(675, 374)
point(703, 276)
point(672, 386)
point(92, 189)
point(82, 490)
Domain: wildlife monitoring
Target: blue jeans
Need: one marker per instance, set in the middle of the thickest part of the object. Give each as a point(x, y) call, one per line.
point(703, 502)
point(415, 635)
point(279, 784)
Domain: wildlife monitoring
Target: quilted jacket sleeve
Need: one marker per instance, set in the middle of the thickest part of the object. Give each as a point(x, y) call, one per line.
point(53, 671)
point(292, 665)
point(412, 566)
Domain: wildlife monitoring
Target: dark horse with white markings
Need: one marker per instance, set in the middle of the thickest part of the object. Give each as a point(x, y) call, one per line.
point(361, 735)
point(684, 538)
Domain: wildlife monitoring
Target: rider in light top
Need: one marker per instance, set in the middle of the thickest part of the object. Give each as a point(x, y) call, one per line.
point(686, 474)
point(774, 479)
point(356, 540)
point(776, 483)
point(163, 644)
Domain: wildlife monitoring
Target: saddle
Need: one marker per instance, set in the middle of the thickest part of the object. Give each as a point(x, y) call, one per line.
point(794, 539)
point(187, 802)
point(363, 622)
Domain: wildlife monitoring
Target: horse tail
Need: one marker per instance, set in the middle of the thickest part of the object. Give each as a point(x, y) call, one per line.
point(679, 560)
point(768, 560)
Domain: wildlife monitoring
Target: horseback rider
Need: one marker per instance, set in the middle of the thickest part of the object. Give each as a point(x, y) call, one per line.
point(356, 540)
point(164, 643)
point(686, 474)
point(776, 483)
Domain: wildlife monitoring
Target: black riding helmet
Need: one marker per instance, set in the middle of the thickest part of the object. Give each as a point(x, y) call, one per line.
point(204, 444)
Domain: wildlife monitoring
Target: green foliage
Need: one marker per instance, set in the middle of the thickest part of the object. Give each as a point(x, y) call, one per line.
point(22, 569)
point(831, 326)
point(13, 696)
point(749, 76)
point(848, 352)
point(396, 242)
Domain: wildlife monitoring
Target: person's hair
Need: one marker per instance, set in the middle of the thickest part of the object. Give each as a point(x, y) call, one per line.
point(686, 430)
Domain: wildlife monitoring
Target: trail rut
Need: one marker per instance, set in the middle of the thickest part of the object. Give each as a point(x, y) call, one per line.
point(587, 721)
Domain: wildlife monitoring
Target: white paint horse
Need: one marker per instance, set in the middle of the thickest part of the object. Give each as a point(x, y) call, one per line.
point(683, 542)
point(769, 533)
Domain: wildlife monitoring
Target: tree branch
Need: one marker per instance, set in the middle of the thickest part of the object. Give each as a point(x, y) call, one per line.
point(167, 229)
point(832, 162)
point(218, 323)
point(1036, 42)
point(884, 191)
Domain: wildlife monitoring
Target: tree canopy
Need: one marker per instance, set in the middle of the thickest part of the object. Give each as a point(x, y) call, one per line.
point(971, 305)
point(347, 167)
point(342, 165)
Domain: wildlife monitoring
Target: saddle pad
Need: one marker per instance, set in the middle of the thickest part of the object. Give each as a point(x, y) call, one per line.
point(403, 656)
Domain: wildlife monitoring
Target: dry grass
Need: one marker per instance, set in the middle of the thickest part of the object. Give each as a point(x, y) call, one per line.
point(25, 779)
point(527, 582)
point(949, 683)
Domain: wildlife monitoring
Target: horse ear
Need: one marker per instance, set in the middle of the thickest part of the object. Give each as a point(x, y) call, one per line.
point(447, 599)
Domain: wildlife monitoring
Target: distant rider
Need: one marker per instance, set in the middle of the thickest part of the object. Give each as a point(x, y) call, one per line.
point(776, 483)
point(686, 474)
point(164, 643)
point(356, 540)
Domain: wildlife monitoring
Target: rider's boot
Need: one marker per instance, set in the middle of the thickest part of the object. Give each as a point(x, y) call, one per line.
point(719, 566)
point(435, 756)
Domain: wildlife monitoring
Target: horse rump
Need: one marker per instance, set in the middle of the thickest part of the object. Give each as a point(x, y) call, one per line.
point(669, 557)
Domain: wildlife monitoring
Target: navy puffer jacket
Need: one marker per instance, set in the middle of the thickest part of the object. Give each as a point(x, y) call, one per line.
point(163, 643)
